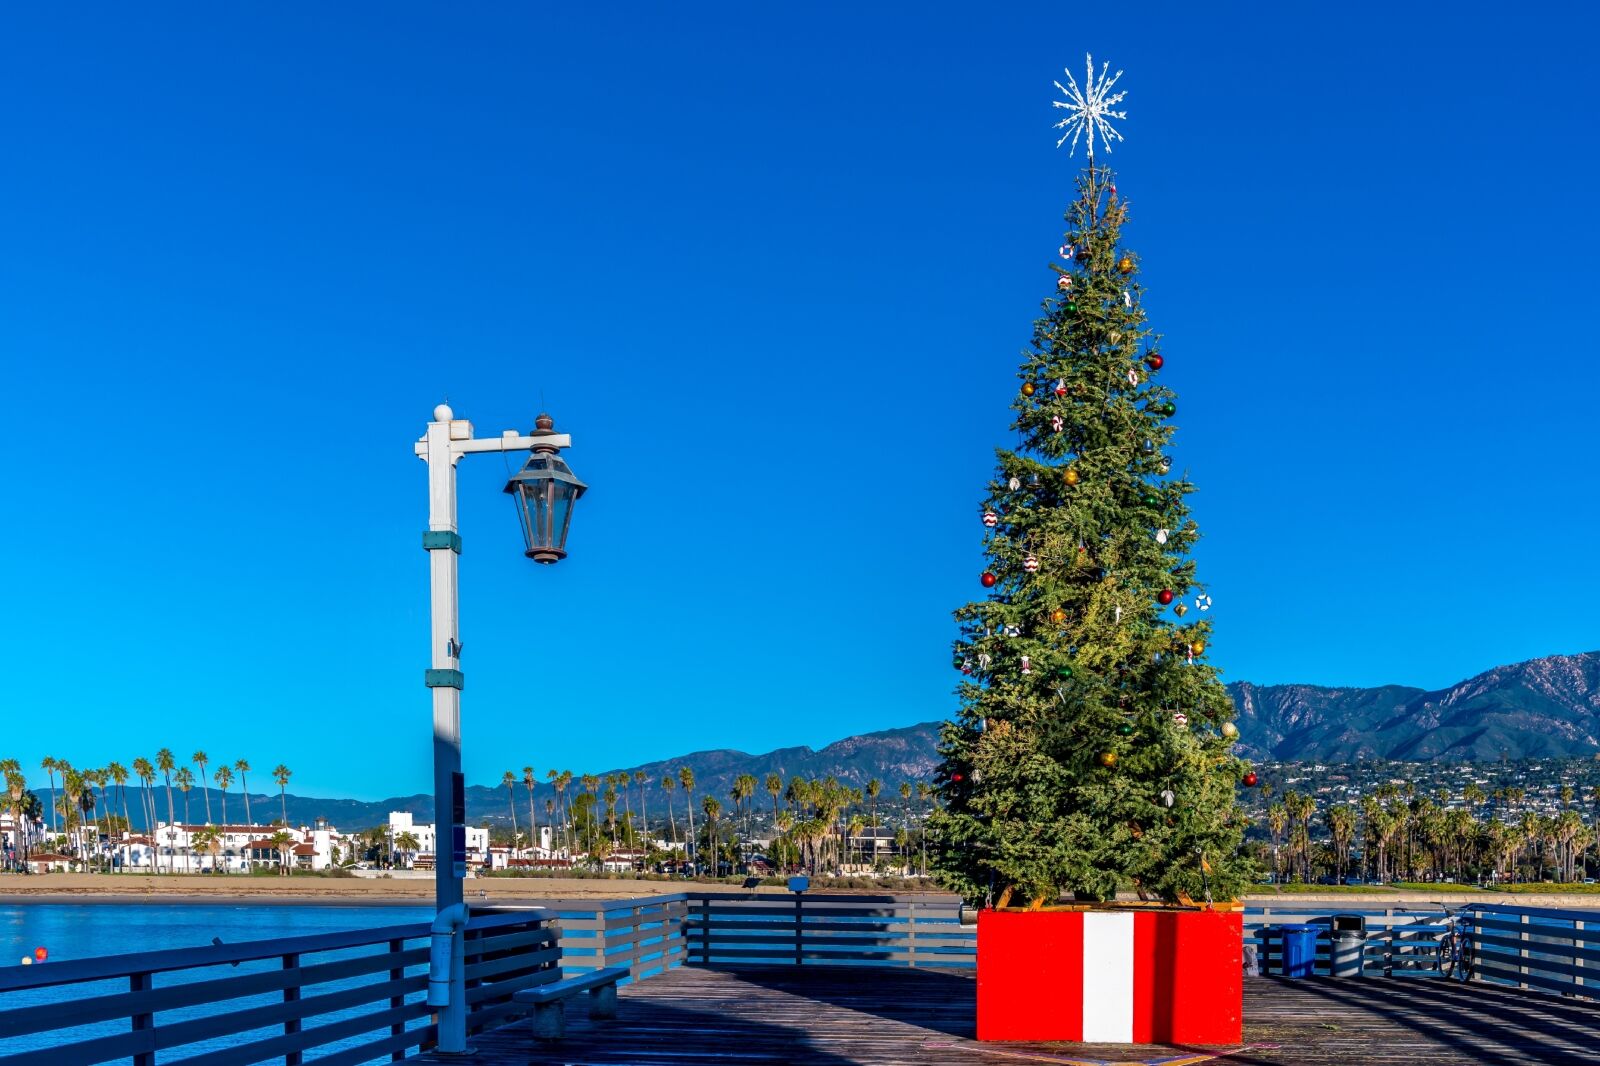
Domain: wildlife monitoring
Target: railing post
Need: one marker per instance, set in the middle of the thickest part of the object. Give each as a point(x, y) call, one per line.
point(602, 955)
point(397, 973)
point(1577, 960)
point(799, 925)
point(141, 982)
point(1523, 953)
point(291, 994)
point(911, 937)
point(705, 931)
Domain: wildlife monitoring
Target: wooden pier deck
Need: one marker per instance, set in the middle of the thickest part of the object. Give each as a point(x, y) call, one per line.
point(833, 1016)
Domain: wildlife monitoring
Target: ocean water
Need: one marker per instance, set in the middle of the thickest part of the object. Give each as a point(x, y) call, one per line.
point(69, 931)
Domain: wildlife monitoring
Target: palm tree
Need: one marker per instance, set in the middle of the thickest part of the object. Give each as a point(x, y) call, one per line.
point(533, 819)
point(668, 785)
point(642, 779)
point(166, 764)
point(224, 778)
point(281, 775)
point(686, 779)
point(11, 773)
point(243, 766)
point(563, 784)
point(1277, 819)
point(924, 793)
point(409, 845)
point(713, 808)
point(774, 787)
point(185, 780)
point(119, 777)
point(209, 840)
point(284, 842)
point(510, 781)
point(553, 777)
point(199, 759)
point(146, 775)
point(48, 764)
point(1341, 827)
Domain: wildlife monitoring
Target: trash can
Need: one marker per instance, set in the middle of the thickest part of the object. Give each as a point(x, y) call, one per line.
point(1299, 950)
point(1348, 945)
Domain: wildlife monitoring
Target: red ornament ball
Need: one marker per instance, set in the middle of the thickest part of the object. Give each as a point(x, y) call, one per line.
point(1154, 361)
point(1250, 779)
point(957, 777)
point(41, 954)
point(988, 580)
point(1164, 597)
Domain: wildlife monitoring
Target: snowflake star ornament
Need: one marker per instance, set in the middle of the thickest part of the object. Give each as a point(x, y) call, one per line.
point(1089, 108)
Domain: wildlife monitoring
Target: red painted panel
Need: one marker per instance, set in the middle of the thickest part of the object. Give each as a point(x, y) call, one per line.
point(1188, 983)
point(1030, 975)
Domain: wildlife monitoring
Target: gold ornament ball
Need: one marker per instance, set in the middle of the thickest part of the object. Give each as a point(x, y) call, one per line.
point(1071, 476)
point(1125, 264)
point(1230, 730)
point(1058, 616)
point(1027, 388)
point(1108, 758)
point(1180, 610)
point(1197, 648)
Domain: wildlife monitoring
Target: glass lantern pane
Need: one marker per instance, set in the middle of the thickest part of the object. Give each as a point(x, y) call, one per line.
point(560, 513)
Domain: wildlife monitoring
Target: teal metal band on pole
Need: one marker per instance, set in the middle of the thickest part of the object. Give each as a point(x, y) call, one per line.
point(443, 679)
point(437, 540)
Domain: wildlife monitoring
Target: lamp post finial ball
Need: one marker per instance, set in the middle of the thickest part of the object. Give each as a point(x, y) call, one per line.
point(544, 423)
point(442, 413)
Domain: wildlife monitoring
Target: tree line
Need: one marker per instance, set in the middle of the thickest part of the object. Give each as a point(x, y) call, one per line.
point(813, 821)
point(1404, 835)
point(99, 796)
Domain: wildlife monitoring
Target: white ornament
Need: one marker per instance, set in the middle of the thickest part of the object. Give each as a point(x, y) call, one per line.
point(1061, 386)
point(1161, 536)
point(1011, 631)
point(1133, 378)
point(1058, 423)
point(1031, 565)
point(1066, 251)
point(1127, 298)
point(1167, 797)
point(991, 519)
point(984, 660)
point(1119, 614)
point(1027, 666)
point(1089, 108)
point(1014, 484)
point(1180, 720)
point(1203, 602)
point(1063, 283)
point(966, 666)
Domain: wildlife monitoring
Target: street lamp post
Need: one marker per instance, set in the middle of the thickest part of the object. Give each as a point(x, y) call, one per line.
point(545, 491)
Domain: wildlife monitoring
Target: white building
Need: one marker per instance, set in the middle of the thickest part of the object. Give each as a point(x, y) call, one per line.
point(426, 834)
point(181, 847)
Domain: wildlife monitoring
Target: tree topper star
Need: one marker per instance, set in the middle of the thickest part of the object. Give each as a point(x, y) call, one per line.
point(1089, 108)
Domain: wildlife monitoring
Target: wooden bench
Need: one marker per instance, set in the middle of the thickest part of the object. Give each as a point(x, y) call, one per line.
point(548, 1001)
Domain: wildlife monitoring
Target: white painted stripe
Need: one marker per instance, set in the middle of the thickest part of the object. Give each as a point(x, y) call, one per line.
point(1107, 978)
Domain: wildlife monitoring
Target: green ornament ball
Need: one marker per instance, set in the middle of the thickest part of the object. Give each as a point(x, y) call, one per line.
point(1065, 671)
point(1169, 408)
point(1151, 500)
point(1125, 729)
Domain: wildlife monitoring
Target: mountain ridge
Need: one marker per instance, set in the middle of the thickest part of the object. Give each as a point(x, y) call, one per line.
point(1541, 708)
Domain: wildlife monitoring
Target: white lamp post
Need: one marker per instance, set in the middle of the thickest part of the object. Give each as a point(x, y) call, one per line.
point(545, 491)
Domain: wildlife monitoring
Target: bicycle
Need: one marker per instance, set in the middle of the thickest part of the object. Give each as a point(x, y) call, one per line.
point(1455, 945)
point(1452, 948)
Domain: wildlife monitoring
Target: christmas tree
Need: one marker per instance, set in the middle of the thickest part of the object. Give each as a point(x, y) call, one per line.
point(1093, 750)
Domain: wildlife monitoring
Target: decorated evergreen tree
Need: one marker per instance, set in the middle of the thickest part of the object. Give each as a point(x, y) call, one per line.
point(1093, 750)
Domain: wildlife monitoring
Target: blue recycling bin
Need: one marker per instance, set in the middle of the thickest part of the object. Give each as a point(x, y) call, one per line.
point(1299, 949)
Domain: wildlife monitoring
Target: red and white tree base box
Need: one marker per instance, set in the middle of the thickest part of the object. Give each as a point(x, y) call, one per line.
point(1137, 976)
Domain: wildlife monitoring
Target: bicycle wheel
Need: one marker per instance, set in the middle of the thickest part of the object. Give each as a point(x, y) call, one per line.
point(1447, 954)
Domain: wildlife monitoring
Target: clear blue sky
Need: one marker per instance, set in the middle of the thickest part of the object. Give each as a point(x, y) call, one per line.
point(772, 267)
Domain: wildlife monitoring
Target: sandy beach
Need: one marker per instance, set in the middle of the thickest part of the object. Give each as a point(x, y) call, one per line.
point(177, 888)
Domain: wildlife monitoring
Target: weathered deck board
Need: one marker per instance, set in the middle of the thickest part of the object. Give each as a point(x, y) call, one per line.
point(832, 1016)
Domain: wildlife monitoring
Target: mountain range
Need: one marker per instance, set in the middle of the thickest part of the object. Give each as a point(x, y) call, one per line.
point(1542, 708)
